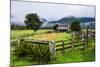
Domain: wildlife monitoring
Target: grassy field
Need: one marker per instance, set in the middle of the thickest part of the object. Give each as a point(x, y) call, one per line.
point(66, 57)
point(53, 36)
point(18, 33)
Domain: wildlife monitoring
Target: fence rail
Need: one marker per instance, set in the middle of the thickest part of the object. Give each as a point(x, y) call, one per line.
point(71, 44)
point(83, 42)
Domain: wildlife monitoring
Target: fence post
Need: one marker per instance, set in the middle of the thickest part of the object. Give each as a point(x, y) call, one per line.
point(62, 46)
point(86, 38)
point(72, 41)
point(52, 49)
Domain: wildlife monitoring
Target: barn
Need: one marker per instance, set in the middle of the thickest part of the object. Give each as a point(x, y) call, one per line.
point(63, 28)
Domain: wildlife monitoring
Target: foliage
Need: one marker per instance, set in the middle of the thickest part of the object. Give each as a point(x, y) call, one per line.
point(29, 58)
point(37, 52)
point(42, 54)
point(22, 50)
point(32, 21)
point(16, 61)
point(75, 26)
point(55, 27)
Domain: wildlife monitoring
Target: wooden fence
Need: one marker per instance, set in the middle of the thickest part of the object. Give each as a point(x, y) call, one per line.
point(63, 44)
point(72, 43)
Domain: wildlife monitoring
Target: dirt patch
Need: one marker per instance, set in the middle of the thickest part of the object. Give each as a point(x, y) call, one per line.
point(48, 37)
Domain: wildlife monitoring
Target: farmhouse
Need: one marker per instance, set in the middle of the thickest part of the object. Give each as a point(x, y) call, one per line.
point(63, 28)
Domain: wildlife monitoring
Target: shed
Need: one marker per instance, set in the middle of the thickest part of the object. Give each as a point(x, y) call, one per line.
point(63, 27)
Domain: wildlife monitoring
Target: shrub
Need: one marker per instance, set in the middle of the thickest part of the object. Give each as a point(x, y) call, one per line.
point(22, 49)
point(36, 52)
point(41, 54)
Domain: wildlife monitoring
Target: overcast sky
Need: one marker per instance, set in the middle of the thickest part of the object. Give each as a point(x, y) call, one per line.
point(48, 11)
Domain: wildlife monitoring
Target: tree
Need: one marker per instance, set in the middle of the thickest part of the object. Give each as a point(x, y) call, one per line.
point(75, 26)
point(55, 27)
point(32, 21)
point(76, 30)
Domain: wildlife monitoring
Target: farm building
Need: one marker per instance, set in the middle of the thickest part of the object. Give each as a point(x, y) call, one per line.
point(62, 28)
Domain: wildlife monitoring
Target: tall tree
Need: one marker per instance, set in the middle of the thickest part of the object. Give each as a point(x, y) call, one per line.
point(32, 21)
point(75, 26)
point(55, 27)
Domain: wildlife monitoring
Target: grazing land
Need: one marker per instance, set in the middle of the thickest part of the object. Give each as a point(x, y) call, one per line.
point(66, 57)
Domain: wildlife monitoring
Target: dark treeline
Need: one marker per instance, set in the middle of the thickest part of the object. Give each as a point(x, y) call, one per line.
point(20, 27)
point(17, 27)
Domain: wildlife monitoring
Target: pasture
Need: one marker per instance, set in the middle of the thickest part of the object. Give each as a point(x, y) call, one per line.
point(66, 57)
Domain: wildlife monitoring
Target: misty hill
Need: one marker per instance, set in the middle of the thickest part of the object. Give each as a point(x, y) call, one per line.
point(68, 20)
point(43, 20)
point(65, 20)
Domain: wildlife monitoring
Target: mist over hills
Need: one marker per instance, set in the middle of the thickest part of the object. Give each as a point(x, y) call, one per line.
point(17, 23)
point(84, 21)
point(69, 20)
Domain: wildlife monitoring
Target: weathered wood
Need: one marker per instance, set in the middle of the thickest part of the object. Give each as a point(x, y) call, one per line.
point(52, 49)
point(73, 44)
point(58, 45)
point(86, 38)
point(84, 41)
point(82, 44)
point(69, 46)
point(63, 46)
point(72, 41)
point(42, 42)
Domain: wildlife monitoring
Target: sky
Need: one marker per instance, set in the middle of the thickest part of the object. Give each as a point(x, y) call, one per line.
point(48, 11)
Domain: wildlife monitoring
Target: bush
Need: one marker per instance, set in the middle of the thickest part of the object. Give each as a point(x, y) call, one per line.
point(22, 49)
point(39, 53)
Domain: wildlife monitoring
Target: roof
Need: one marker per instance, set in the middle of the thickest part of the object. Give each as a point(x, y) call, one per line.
point(63, 26)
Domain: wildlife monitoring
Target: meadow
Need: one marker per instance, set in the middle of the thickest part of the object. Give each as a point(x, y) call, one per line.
point(66, 57)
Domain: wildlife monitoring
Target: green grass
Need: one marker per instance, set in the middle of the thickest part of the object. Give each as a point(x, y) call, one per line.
point(17, 61)
point(76, 56)
point(66, 57)
point(18, 33)
point(63, 36)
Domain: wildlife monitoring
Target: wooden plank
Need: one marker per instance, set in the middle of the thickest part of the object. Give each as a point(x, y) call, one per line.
point(69, 46)
point(79, 48)
point(70, 43)
point(62, 46)
point(82, 44)
point(58, 41)
point(58, 45)
point(37, 42)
